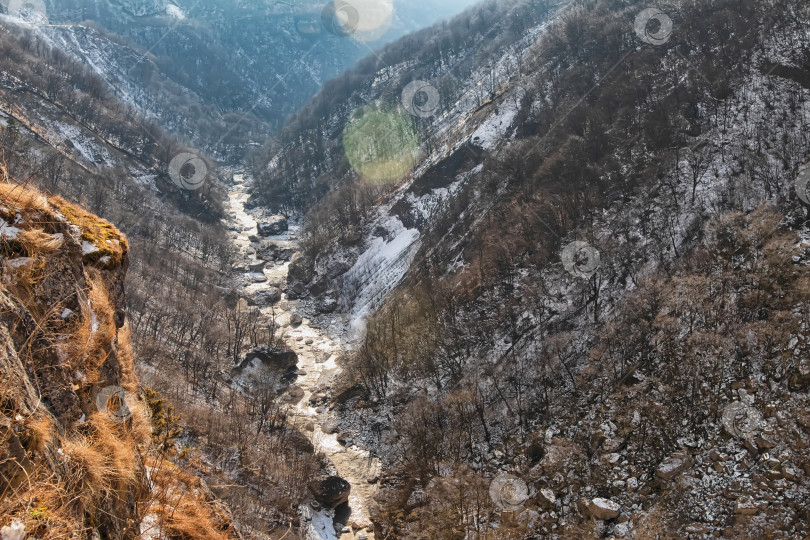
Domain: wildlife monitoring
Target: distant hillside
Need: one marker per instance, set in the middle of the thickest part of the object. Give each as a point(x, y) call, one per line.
point(225, 75)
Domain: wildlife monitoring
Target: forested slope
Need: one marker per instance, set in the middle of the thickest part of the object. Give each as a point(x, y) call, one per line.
point(650, 375)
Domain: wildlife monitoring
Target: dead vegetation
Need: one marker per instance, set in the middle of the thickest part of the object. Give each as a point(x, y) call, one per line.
point(69, 468)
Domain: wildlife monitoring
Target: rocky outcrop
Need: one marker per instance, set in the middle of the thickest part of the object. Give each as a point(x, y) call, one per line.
point(74, 427)
point(270, 251)
point(61, 351)
point(270, 357)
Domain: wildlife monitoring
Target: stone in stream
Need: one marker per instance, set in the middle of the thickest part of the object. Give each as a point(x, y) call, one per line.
point(272, 226)
point(271, 357)
point(257, 266)
point(293, 395)
point(330, 491)
point(256, 277)
point(295, 319)
point(265, 297)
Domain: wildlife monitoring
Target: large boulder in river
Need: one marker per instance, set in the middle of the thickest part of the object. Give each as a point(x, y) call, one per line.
point(271, 357)
point(271, 251)
point(272, 226)
point(330, 491)
point(265, 297)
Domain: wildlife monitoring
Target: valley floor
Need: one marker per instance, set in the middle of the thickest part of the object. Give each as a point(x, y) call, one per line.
point(318, 348)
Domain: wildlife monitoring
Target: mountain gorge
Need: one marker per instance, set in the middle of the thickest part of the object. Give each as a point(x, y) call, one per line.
point(537, 271)
point(222, 75)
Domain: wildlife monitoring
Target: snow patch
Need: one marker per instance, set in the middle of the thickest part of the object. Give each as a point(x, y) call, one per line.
point(175, 12)
point(88, 247)
point(7, 231)
point(494, 128)
point(379, 269)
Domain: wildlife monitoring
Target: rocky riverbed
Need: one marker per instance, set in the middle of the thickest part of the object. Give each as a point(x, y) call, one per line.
point(318, 346)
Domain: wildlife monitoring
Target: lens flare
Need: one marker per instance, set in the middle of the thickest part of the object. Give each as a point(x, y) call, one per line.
point(381, 144)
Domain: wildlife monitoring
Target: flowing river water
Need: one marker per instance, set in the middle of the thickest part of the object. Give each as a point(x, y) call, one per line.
point(317, 349)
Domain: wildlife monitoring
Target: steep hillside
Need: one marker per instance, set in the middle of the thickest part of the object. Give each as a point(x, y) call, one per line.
point(582, 266)
point(76, 440)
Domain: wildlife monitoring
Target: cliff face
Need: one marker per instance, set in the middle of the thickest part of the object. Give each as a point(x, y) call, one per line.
point(70, 460)
point(75, 435)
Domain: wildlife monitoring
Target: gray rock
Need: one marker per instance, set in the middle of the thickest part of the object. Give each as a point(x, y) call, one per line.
point(272, 226)
point(265, 297)
point(328, 305)
point(256, 277)
point(672, 466)
point(330, 491)
point(746, 506)
point(604, 509)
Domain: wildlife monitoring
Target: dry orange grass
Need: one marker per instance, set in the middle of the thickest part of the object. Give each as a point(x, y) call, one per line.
point(22, 199)
point(90, 342)
point(36, 242)
point(40, 433)
point(126, 359)
point(183, 510)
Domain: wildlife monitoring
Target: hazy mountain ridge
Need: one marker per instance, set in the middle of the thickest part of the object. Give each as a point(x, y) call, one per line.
point(223, 75)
